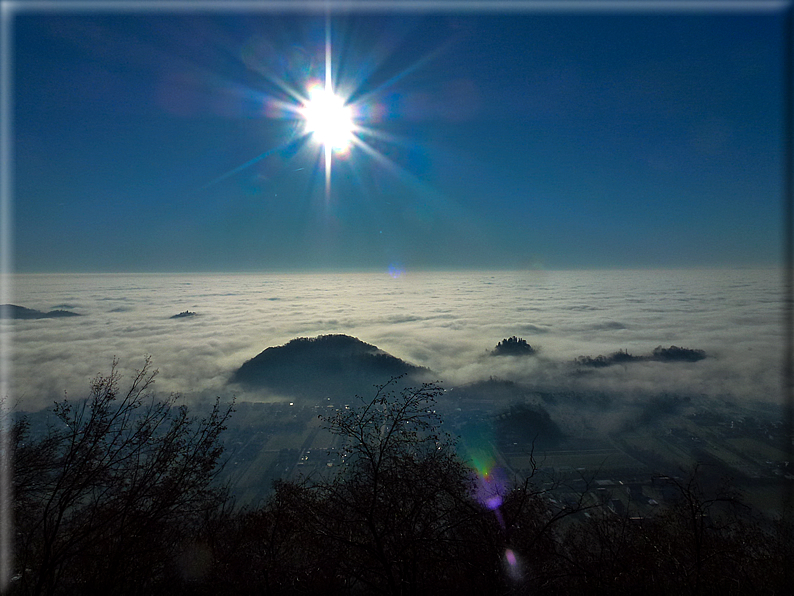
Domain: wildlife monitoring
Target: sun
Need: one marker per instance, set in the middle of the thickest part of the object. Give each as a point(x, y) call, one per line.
point(339, 120)
point(328, 119)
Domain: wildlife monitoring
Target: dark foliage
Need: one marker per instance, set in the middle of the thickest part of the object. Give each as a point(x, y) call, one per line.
point(400, 517)
point(703, 544)
point(513, 346)
point(660, 354)
point(676, 354)
point(118, 498)
point(395, 512)
point(523, 426)
point(619, 357)
point(109, 496)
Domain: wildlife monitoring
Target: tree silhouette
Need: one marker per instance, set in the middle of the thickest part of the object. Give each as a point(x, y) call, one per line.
point(402, 515)
point(676, 354)
point(703, 543)
point(515, 346)
point(118, 497)
point(105, 501)
point(402, 491)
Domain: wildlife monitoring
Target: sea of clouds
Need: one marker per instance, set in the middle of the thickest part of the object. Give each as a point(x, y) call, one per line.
point(447, 322)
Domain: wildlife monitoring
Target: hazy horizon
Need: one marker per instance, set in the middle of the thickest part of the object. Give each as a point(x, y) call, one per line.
point(446, 322)
point(353, 270)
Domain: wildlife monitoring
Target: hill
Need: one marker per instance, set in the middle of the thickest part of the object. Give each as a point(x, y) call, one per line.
point(12, 311)
point(660, 354)
point(324, 366)
point(513, 346)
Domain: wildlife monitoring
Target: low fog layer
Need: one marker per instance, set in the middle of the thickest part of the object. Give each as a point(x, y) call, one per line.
point(447, 322)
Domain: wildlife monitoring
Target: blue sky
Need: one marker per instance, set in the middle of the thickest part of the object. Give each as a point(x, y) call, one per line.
point(507, 141)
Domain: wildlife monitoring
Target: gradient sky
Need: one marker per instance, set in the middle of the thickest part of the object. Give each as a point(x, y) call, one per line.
point(520, 140)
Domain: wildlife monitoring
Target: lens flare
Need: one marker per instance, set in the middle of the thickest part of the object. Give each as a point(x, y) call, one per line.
point(396, 271)
point(490, 486)
point(513, 566)
point(491, 489)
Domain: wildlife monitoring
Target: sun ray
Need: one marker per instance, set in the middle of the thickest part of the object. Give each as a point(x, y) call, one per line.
point(326, 114)
point(249, 163)
point(372, 94)
point(329, 92)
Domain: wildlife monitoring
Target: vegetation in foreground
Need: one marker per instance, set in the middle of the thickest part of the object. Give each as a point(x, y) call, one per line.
point(120, 496)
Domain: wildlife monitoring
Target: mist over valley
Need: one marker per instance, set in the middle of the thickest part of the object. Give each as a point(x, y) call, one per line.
point(448, 323)
point(555, 362)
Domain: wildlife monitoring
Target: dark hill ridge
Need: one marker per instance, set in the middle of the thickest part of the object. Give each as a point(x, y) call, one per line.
point(660, 354)
point(513, 346)
point(324, 366)
point(12, 311)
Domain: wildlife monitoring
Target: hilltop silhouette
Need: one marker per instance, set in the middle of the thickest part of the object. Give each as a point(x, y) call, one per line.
point(676, 354)
point(524, 426)
point(12, 311)
point(513, 346)
point(323, 366)
point(660, 354)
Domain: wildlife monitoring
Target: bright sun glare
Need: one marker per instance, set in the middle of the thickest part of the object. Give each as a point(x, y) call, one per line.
point(328, 119)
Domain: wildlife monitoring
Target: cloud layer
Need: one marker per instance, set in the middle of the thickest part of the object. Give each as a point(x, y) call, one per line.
point(447, 322)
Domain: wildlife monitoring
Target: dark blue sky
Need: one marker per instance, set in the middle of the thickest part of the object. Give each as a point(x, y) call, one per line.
point(491, 141)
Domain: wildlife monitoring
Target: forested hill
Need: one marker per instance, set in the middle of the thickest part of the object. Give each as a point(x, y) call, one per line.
point(12, 311)
point(323, 366)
